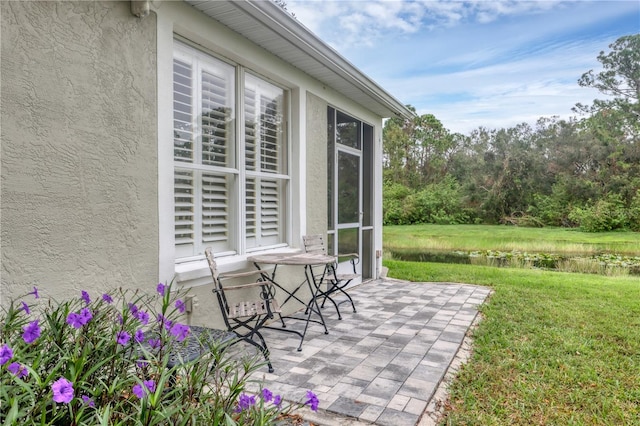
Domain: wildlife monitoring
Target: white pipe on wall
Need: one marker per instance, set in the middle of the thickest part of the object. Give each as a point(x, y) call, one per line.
point(140, 8)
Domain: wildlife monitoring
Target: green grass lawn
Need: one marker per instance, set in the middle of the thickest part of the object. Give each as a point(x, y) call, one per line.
point(507, 238)
point(553, 348)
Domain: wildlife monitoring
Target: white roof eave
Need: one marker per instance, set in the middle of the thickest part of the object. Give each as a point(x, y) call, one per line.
point(259, 21)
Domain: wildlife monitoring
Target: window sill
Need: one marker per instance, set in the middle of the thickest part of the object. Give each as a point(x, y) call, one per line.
point(196, 273)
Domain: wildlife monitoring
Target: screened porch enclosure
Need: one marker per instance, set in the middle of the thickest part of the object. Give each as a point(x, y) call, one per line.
point(350, 195)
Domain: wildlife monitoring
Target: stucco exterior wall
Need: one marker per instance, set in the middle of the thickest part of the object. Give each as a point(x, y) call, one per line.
point(79, 148)
point(316, 169)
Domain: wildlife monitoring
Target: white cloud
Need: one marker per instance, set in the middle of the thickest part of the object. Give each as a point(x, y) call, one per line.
point(502, 94)
point(361, 23)
point(475, 63)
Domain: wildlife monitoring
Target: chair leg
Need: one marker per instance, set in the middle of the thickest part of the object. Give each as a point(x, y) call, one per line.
point(350, 300)
point(248, 337)
point(262, 347)
point(341, 290)
point(282, 320)
point(326, 296)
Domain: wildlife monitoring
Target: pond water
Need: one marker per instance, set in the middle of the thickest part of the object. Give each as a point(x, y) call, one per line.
point(603, 263)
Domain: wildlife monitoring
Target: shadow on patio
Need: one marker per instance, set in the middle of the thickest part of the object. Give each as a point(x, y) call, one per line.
point(382, 364)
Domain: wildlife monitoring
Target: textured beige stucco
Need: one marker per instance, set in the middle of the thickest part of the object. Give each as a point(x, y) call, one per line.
point(79, 148)
point(316, 165)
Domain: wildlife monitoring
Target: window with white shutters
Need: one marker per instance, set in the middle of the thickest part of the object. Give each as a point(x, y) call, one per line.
point(265, 162)
point(210, 166)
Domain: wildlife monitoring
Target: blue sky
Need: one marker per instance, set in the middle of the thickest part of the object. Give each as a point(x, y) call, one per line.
point(475, 63)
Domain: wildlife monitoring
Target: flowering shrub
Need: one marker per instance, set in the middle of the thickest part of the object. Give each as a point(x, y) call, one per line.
point(104, 360)
point(264, 408)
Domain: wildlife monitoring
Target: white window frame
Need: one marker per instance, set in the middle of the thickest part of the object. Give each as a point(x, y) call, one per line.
point(236, 170)
point(269, 165)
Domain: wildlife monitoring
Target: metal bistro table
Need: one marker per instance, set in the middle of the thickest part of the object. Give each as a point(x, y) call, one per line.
point(196, 345)
point(296, 259)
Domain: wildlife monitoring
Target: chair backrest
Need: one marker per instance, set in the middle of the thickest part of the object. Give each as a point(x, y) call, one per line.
point(217, 286)
point(232, 309)
point(314, 244)
point(213, 267)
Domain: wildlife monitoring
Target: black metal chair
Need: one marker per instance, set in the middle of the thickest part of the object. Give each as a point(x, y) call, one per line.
point(336, 283)
point(247, 316)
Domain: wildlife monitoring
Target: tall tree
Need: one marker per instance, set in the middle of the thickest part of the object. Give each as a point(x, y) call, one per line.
point(417, 151)
point(620, 78)
point(398, 162)
point(615, 121)
point(588, 165)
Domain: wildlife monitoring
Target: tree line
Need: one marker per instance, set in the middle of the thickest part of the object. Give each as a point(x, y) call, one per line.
point(579, 172)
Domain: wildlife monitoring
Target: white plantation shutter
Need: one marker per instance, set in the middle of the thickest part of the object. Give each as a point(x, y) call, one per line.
point(184, 185)
point(207, 167)
point(204, 143)
point(184, 201)
point(264, 159)
point(263, 224)
point(270, 135)
point(251, 212)
point(215, 120)
point(250, 129)
point(216, 225)
point(250, 153)
point(182, 111)
point(270, 217)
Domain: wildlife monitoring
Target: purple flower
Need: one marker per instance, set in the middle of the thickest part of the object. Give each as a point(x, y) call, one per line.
point(245, 402)
point(142, 363)
point(74, 320)
point(133, 309)
point(25, 308)
point(78, 320)
point(107, 298)
point(267, 395)
point(31, 332)
point(139, 336)
point(140, 391)
point(277, 400)
point(312, 401)
point(85, 315)
point(62, 390)
point(164, 320)
point(35, 292)
point(154, 343)
point(85, 297)
point(6, 353)
point(18, 370)
point(160, 288)
point(143, 317)
point(179, 331)
point(150, 384)
point(88, 401)
point(123, 338)
point(180, 306)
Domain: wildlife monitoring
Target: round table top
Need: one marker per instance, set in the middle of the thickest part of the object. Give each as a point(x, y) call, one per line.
point(292, 259)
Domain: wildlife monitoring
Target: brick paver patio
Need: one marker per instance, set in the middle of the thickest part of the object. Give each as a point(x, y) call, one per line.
point(382, 364)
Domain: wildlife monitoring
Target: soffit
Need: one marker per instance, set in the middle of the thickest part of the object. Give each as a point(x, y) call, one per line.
point(272, 28)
